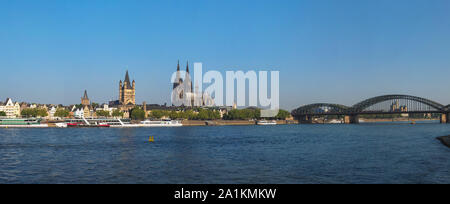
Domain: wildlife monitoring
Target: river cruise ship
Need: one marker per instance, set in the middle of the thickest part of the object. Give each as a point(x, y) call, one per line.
point(161, 123)
point(97, 122)
point(21, 122)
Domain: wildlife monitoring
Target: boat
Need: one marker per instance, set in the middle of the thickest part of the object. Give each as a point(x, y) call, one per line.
point(21, 123)
point(61, 125)
point(87, 122)
point(266, 122)
point(118, 123)
point(161, 123)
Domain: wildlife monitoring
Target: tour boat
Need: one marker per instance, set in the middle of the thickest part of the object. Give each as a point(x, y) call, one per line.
point(265, 122)
point(21, 123)
point(161, 123)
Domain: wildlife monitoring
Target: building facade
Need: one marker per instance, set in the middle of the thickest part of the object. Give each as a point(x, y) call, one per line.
point(11, 109)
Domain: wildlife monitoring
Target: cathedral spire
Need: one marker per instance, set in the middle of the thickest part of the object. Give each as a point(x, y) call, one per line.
point(85, 94)
point(187, 67)
point(127, 78)
point(178, 66)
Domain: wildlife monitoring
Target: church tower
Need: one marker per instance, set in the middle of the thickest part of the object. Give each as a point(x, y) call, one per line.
point(127, 91)
point(85, 99)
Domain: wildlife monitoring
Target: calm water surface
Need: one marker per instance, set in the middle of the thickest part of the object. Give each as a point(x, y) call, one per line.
point(365, 153)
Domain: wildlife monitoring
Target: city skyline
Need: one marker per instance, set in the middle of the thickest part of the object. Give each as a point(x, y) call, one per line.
point(53, 51)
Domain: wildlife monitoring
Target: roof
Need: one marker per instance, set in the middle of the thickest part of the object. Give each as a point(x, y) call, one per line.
point(127, 80)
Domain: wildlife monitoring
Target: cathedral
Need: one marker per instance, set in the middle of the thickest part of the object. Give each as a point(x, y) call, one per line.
point(127, 91)
point(183, 93)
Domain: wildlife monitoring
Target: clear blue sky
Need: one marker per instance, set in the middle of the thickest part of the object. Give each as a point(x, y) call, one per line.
point(336, 51)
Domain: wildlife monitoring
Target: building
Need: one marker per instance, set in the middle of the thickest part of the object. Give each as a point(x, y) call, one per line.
point(11, 109)
point(127, 91)
point(184, 95)
point(85, 99)
point(51, 112)
point(105, 107)
point(78, 113)
point(395, 107)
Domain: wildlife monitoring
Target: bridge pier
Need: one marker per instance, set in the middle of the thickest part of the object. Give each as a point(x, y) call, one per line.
point(445, 118)
point(351, 119)
point(305, 119)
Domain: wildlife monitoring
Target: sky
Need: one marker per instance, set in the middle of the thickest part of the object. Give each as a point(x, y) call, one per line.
point(334, 51)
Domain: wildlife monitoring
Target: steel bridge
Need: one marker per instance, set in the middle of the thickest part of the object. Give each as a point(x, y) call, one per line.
point(380, 105)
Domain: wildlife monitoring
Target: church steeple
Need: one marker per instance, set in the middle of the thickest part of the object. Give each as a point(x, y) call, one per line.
point(178, 79)
point(85, 100)
point(187, 67)
point(127, 83)
point(127, 91)
point(127, 78)
point(85, 95)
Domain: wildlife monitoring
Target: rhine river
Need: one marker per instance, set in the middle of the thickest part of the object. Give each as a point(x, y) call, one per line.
point(365, 153)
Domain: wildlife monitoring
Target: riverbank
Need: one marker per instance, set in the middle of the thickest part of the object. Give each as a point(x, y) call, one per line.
point(52, 124)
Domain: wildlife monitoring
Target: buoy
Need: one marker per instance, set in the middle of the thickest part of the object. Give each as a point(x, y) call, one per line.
point(151, 139)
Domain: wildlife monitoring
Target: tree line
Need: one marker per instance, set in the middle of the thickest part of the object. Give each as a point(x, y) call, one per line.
point(205, 114)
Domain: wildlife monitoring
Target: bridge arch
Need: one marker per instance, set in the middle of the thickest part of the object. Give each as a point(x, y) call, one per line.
point(317, 107)
point(359, 107)
point(447, 108)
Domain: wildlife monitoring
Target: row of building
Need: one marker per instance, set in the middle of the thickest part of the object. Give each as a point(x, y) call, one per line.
point(184, 97)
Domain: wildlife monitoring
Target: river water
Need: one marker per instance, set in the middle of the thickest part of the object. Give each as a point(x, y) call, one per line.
point(364, 153)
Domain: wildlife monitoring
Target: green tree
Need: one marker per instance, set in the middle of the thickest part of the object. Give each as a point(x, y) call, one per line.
point(2, 113)
point(117, 113)
point(159, 113)
point(283, 114)
point(79, 106)
point(174, 115)
point(243, 114)
point(41, 112)
point(34, 112)
point(95, 105)
point(137, 114)
point(102, 113)
point(62, 113)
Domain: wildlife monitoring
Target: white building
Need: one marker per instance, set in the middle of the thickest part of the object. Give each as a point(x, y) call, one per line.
point(106, 108)
point(11, 109)
point(51, 112)
point(79, 113)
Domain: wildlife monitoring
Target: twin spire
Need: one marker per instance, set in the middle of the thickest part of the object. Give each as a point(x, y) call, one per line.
point(187, 66)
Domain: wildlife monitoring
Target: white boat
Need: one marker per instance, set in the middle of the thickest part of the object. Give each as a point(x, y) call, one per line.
point(266, 122)
point(120, 123)
point(161, 123)
point(334, 121)
point(61, 125)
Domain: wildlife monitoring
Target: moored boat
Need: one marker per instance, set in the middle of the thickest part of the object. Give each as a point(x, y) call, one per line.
point(266, 122)
point(21, 123)
point(161, 123)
